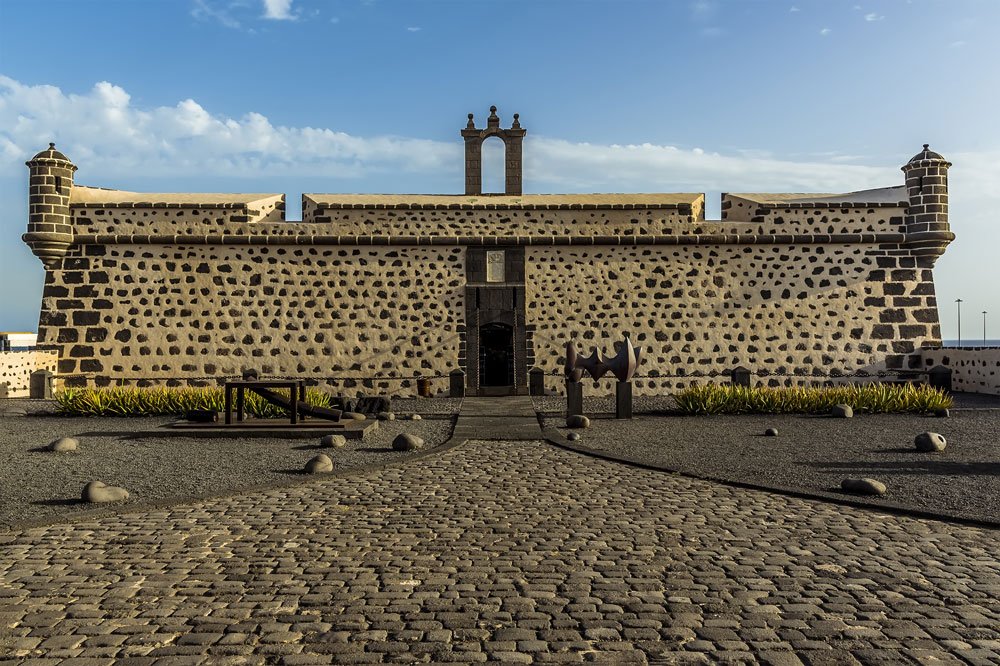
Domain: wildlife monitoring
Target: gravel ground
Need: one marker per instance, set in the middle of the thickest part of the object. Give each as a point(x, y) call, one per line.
point(812, 454)
point(40, 485)
point(426, 406)
point(641, 404)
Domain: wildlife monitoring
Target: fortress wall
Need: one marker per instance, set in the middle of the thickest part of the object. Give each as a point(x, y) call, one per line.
point(784, 308)
point(16, 368)
point(96, 218)
point(513, 222)
point(175, 311)
point(817, 220)
point(973, 369)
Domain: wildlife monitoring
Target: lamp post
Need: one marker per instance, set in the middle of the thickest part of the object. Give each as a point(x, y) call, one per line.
point(958, 301)
point(984, 328)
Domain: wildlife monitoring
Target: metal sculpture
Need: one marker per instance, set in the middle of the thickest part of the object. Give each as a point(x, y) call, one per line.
point(623, 365)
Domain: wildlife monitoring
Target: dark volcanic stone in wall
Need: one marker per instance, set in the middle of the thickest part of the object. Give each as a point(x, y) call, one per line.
point(789, 310)
point(303, 311)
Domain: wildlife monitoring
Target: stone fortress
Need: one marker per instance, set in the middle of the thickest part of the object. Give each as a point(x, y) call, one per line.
point(182, 289)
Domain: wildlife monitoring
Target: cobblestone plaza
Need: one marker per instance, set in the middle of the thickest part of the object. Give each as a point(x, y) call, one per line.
point(502, 551)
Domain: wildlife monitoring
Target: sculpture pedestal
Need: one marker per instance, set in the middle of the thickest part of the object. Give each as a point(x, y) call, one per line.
point(623, 400)
point(574, 398)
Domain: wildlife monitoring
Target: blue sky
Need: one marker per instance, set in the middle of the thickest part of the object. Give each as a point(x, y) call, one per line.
point(621, 96)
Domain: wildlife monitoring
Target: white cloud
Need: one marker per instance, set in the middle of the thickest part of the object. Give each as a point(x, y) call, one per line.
point(204, 10)
point(414, 29)
point(959, 44)
point(794, 9)
point(873, 17)
point(825, 31)
point(335, 19)
point(109, 137)
point(279, 10)
point(703, 10)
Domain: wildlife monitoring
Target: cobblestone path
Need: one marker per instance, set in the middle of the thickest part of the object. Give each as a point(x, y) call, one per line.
point(512, 551)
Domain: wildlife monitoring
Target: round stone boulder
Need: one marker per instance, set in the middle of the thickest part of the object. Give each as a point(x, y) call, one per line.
point(386, 416)
point(333, 441)
point(352, 416)
point(929, 441)
point(577, 421)
point(574, 437)
point(98, 492)
point(64, 444)
point(771, 432)
point(842, 411)
point(863, 486)
point(416, 417)
point(407, 442)
point(319, 464)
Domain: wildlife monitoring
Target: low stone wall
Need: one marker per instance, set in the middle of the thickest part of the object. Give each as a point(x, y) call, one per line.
point(973, 369)
point(16, 368)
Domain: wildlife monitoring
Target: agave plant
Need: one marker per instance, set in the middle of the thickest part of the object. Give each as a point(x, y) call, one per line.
point(871, 398)
point(164, 401)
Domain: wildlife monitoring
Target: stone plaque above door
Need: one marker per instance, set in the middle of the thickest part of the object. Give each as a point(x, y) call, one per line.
point(495, 266)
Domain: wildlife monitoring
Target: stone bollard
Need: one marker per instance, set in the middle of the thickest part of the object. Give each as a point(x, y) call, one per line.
point(536, 381)
point(456, 384)
point(40, 386)
point(574, 398)
point(740, 376)
point(939, 377)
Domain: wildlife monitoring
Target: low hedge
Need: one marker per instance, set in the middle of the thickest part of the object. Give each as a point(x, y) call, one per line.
point(165, 401)
point(871, 398)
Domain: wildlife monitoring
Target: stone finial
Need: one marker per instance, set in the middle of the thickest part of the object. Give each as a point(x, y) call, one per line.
point(471, 124)
point(924, 155)
point(517, 123)
point(494, 119)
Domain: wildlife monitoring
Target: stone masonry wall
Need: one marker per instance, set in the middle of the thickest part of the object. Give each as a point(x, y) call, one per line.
point(973, 369)
point(819, 220)
point(96, 218)
point(16, 368)
point(159, 312)
point(515, 222)
point(697, 309)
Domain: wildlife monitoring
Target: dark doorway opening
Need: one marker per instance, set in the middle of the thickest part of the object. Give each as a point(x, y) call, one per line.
point(496, 355)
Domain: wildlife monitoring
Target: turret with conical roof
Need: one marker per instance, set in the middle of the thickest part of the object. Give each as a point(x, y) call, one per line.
point(927, 229)
point(50, 232)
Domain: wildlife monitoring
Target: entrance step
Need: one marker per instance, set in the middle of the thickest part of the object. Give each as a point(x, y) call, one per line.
point(507, 417)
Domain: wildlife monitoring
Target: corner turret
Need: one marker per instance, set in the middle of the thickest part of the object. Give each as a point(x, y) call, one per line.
point(927, 230)
point(49, 230)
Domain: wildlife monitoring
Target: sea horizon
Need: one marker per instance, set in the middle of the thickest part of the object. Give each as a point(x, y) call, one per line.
point(973, 342)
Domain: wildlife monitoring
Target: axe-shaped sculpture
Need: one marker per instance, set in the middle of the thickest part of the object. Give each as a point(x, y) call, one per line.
point(622, 365)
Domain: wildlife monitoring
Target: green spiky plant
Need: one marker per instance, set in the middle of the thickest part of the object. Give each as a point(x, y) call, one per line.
point(869, 398)
point(165, 401)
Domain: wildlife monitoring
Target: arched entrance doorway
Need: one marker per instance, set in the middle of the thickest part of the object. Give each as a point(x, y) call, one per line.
point(496, 355)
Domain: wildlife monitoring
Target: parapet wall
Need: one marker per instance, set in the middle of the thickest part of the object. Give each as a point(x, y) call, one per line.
point(16, 368)
point(973, 369)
